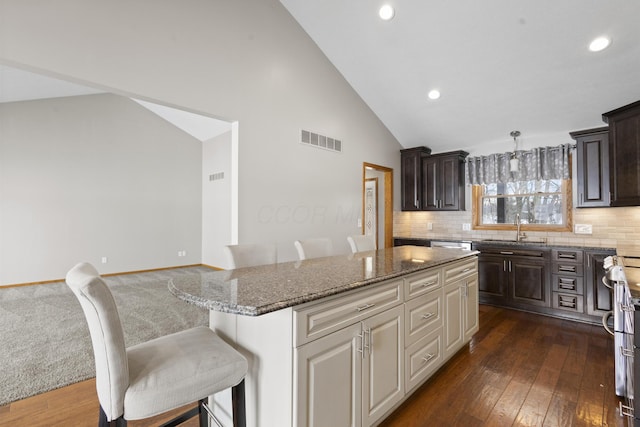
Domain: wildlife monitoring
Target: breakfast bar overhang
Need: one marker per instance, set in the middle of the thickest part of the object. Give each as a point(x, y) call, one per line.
point(340, 340)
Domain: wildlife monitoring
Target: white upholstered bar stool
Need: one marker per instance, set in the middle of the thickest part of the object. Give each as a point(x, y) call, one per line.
point(361, 243)
point(250, 254)
point(313, 248)
point(159, 375)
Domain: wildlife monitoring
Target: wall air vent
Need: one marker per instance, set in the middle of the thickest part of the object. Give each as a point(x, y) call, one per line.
point(216, 176)
point(320, 141)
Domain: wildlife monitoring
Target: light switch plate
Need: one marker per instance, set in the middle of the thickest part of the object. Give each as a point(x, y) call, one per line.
point(466, 226)
point(583, 229)
point(429, 226)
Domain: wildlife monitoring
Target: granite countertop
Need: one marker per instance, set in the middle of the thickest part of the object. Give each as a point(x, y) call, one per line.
point(253, 291)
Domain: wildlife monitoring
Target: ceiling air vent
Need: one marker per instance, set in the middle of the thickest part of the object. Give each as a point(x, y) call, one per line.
point(320, 141)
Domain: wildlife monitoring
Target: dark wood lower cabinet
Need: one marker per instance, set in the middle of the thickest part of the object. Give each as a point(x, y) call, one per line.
point(514, 281)
point(599, 299)
point(559, 282)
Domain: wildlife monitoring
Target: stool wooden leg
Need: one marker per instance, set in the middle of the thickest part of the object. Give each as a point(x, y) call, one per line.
point(239, 410)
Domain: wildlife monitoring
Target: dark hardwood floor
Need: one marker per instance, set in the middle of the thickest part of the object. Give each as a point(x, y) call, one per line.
point(520, 369)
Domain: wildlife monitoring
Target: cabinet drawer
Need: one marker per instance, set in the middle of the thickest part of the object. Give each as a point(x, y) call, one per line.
point(422, 359)
point(568, 302)
point(421, 283)
point(567, 255)
point(565, 268)
point(319, 319)
point(460, 269)
point(568, 284)
point(422, 316)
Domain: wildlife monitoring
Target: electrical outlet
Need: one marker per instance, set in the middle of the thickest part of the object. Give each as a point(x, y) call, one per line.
point(429, 226)
point(583, 229)
point(104, 259)
point(359, 222)
point(466, 226)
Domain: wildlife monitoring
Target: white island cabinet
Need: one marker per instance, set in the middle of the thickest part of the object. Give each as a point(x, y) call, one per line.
point(350, 357)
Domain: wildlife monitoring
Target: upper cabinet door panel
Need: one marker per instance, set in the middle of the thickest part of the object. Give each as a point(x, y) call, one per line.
point(624, 151)
point(592, 158)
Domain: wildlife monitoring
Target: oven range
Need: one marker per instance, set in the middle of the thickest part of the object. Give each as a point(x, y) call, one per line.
point(623, 277)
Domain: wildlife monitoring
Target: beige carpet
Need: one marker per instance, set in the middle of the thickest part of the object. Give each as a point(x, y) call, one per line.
point(44, 339)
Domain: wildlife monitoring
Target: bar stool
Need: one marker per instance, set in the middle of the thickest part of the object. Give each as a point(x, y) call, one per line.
point(158, 375)
point(313, 248)
point(250, 254)
point(361, 243)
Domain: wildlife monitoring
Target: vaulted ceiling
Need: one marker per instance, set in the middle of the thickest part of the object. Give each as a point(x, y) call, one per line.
point(500, 65)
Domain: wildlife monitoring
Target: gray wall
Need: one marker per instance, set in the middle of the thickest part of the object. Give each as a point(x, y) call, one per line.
point(245, 61)
point(94, 176)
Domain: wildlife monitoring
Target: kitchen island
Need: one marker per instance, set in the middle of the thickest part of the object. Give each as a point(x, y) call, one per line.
point(340, 340)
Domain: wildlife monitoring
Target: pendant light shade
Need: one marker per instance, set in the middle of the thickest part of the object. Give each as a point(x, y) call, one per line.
point(514, 164)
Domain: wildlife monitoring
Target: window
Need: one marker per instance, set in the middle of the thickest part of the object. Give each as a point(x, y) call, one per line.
point(543, 205)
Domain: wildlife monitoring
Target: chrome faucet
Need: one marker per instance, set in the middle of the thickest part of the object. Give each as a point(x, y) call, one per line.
point(519, 235)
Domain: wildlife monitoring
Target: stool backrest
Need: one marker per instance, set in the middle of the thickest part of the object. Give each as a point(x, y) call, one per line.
point(314, 248)
point(361, 243)
point(250, 254)
point(107, 337)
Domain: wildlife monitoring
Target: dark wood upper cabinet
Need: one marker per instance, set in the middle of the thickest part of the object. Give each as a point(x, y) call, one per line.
point(411, 177)
point(624, 154)
point(592, 158)
point(443, 181)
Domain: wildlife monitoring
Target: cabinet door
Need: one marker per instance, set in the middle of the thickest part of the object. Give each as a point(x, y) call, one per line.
point(453, 335)
point(450, 184)
point(592, 158)
point(383, 364)
point(598, 295)
point(492, 279)
point(329, 380)
point(624, 141)
point(471, 311)
point(529, 281)
point(430, 183)
point(411, 180)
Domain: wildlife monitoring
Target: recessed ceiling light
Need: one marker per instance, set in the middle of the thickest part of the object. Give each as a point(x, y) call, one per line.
point(599, 44)
point(386, 12)
point(434, 94)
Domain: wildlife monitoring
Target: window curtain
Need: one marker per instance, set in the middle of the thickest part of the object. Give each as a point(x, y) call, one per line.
point(536, 164)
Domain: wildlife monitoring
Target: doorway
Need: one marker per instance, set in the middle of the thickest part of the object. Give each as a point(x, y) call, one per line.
point(377, 203)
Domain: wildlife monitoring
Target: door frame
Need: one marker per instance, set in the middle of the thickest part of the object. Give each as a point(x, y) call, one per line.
point(388, 199)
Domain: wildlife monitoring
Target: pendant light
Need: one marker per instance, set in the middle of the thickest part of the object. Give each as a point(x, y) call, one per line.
point(514, 163)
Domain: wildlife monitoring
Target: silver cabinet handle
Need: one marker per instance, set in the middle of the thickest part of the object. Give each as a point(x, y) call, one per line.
point(427, 316)
point(365, 307)
point(428, 357)
point(466, 269)
point(504, 265)
point(625, 410)
point(361, 348)
point(367, 332)
point(509, 266)
point(433, 282)
point(567, 268)
point(506, 252)
point(626, 352)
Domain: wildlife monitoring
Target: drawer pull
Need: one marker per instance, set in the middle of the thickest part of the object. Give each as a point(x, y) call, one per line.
point(466, 269)
point(506, 253)
point(570, 286)
point(365, 307)
point(428, 357)
point(427, 315)
point(569, 268)
point(433, 282)
point(568, 304)
point(567, 255)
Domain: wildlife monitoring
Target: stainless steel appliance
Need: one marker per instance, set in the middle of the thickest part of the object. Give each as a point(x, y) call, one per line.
point(623, 277)
point(445, 244)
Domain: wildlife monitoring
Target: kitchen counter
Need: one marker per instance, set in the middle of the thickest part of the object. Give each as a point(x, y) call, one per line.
point(525, 242)
point(290, 317)
point(254, 291)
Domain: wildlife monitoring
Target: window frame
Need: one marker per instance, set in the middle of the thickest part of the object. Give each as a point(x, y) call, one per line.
point(476, 209)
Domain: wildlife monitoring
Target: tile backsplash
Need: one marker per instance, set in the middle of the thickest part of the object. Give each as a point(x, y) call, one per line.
point(611, 227)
